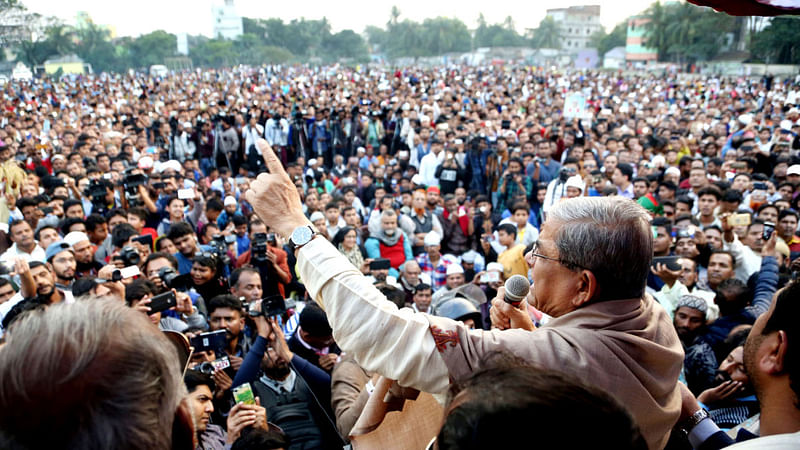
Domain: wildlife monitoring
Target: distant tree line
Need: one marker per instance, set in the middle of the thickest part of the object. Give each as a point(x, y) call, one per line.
point(679, 31)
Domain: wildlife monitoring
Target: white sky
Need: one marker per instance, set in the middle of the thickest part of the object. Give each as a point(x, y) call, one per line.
point(194, 16)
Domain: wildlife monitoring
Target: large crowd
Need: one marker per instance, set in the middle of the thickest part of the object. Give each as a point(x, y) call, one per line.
point(434, 183)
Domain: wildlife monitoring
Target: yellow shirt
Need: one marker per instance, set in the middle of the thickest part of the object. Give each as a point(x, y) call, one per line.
point(513, 261)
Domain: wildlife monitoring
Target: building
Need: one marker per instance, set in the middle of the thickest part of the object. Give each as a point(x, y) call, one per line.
point(576, 24)
point(65, 64)
point(227, 23)
point(635, 49)
point(614, 58)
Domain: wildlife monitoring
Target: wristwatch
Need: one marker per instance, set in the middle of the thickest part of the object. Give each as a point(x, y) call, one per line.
point(301, 236)
point(687, 425)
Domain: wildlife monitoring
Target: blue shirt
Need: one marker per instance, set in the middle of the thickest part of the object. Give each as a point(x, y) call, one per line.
point(184, 263)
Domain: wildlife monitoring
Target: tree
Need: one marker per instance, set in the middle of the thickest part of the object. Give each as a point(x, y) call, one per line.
point(605, 42)
point(94, 47)
point(547, 35)
point(682, 32)
point(778, 42)
point(344, 44)
point(152, 48)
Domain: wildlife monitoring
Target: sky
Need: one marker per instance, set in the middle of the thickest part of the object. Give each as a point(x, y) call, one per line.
point(194, 16)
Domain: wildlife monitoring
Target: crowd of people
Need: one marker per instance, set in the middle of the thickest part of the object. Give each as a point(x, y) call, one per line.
point(430, 187)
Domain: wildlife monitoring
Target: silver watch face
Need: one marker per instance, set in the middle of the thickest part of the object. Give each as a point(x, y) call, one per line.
point(301, 235)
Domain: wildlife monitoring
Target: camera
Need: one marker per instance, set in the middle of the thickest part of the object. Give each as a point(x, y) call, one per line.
point(170, 278)
point(209, 368)
point(259, 247)
point(97, 192)
point(130, 256)
point(219, 247)
point(131, 182)
point(272, 306)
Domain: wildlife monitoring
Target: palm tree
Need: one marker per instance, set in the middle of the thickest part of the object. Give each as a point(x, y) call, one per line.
point(656, 29)
point(548, 35)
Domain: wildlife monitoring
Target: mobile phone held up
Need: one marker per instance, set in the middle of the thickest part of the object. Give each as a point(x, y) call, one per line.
point(163, 302)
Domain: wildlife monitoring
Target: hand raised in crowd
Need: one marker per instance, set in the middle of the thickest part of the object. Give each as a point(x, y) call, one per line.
point(328, 361)
point(222, 381)
point(28, 285)
point(183, 303)
point(236, 362)
point(274, 196)
point(242, 416)
point(667, 276)
point(278, 341)
point(721, 392)
point(769, 245)
point(506, 316)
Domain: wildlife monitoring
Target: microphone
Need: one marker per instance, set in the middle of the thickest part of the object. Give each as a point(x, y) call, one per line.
point(517, 288)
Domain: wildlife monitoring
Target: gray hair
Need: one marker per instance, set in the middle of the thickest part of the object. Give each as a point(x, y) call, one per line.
point(609, 236)
point(388, 213)
point(92, 375)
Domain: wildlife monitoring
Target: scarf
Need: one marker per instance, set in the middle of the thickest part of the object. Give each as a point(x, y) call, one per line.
point(353, 255)
point(389, 240)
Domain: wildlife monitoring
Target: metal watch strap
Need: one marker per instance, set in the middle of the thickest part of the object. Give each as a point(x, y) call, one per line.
point(693, 420)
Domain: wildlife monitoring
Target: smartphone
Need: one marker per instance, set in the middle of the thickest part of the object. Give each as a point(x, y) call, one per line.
point(769, 228)
point(380, 264)
point(670, 261)
point(739, 220)
point(490, 277)
point(213, 340)
point(505, 124)
point(47, 210)
point(129, 272)
point(145, 239)
point(244, 394)
point(184, 194)
point(162, 302)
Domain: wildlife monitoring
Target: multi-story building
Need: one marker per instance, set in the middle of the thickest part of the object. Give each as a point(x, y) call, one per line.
point(576, 25)
point(636, 49)
point(227, 23)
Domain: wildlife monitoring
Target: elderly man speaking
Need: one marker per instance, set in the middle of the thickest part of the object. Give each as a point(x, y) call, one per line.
point(589, 269)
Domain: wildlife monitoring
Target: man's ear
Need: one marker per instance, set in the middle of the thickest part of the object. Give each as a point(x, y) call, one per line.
point(586, 288)
point(775, 347)
point(183, 435)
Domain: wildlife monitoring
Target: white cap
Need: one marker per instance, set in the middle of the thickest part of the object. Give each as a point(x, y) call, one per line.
point(74, 237)
point(745, 119)
point(454, 269)
point(793, 170)
point(316, 215)
point(187, 125)
point(145, 162)
point(576, 182)
point(494, 266)
point(229, 200)
point(361, 150)
point(786, 125)
point(170, 165)
point(417, 179)
point(312, 161)
point(672, 171)
point(469, 256)
point(432, 238)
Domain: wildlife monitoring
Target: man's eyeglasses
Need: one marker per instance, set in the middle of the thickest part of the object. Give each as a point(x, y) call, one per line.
point(571, 266)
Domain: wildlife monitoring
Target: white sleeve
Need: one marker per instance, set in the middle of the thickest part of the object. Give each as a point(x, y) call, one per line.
point(395, 343)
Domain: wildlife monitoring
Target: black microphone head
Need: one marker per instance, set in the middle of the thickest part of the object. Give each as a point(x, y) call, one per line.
point(517, 288)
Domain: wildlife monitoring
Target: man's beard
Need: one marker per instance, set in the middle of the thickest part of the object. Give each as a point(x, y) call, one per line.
point(389, 232)
point(380, 277)
point(279, 371)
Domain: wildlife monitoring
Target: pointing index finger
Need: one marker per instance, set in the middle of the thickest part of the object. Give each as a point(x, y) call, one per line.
point(271, 159)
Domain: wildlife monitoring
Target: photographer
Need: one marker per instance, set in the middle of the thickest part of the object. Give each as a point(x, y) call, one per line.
point(450, 174)
point(139, 295)
point(206, 276)
point(158, 265)
point(246, 284)
point(513, 183)
point(308, 386)
point(274, 262)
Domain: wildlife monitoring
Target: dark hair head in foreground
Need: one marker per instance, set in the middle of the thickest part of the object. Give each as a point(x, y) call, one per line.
point(89, 375)
point(505, 406)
